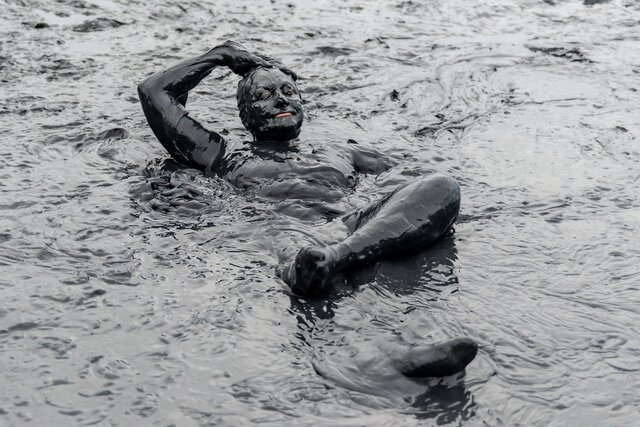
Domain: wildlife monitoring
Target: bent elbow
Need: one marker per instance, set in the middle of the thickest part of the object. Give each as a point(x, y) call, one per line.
point(144, 88)
point(149, 86)
point(148, 92)
point(147, 95)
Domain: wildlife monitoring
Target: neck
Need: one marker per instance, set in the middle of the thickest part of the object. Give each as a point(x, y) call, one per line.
point(263, 140)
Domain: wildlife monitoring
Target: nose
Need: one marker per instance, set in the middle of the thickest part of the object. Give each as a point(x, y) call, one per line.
point(281, 100)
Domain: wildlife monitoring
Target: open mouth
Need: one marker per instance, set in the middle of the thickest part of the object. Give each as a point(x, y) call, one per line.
point(285, 114)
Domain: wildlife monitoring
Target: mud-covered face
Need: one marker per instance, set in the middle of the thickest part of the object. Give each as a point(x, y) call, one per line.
point(271, 107)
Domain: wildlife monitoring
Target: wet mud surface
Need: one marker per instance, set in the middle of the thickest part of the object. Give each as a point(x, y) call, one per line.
point(135, 292)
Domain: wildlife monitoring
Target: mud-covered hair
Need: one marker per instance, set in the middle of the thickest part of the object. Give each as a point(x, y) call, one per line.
point(243, 94)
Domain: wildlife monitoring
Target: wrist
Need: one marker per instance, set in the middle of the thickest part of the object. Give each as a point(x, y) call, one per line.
point(219, 55)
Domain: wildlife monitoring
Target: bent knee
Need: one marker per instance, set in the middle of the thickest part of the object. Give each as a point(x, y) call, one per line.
point(441, 193)
point(439, 186)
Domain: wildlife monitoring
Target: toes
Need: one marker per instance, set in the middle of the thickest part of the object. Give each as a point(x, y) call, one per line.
point(439, 360)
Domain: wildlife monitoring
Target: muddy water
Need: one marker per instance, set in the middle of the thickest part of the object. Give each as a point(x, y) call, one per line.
point(136, 293)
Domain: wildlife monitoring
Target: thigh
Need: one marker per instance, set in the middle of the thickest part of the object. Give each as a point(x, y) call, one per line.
point(437, 190)
point(360, 217)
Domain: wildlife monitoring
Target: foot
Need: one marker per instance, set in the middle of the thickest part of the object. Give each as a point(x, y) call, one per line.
point(310, 271)
point(440, 360)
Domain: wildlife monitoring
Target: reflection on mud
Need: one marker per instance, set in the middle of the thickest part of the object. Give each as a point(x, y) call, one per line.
point(446, 404)
point(420, 277)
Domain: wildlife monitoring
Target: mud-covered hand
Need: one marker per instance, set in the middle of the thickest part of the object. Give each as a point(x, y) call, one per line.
point(239, 59)
point(279, 65)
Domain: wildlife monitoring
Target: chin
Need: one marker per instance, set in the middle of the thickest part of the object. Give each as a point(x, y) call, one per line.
point(280, 132)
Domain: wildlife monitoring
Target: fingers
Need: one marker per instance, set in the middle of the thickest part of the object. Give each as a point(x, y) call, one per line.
point(287, 71)
point(275, 63)
point(244, 60)
point(243, 67)
point(263, 63)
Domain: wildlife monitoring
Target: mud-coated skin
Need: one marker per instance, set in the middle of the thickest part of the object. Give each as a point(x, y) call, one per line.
point(413, 217)
point(279, 166)
point(262, 94)
point(442, 359)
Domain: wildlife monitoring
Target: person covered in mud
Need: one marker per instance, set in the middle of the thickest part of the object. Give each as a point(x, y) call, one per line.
point(278, 165)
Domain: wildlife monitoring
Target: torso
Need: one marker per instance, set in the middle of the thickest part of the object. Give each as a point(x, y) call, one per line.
point(281, 172)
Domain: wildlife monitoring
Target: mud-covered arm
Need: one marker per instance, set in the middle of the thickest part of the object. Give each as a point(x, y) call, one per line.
point(163, 97)
point(369, 160)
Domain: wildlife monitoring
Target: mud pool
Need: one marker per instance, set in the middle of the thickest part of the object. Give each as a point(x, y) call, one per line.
point(137, 294)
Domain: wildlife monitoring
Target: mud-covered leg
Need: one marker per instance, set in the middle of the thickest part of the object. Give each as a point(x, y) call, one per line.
point(413, 217)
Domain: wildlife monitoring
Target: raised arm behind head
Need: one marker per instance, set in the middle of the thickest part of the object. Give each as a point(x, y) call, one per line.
point(163, 97)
